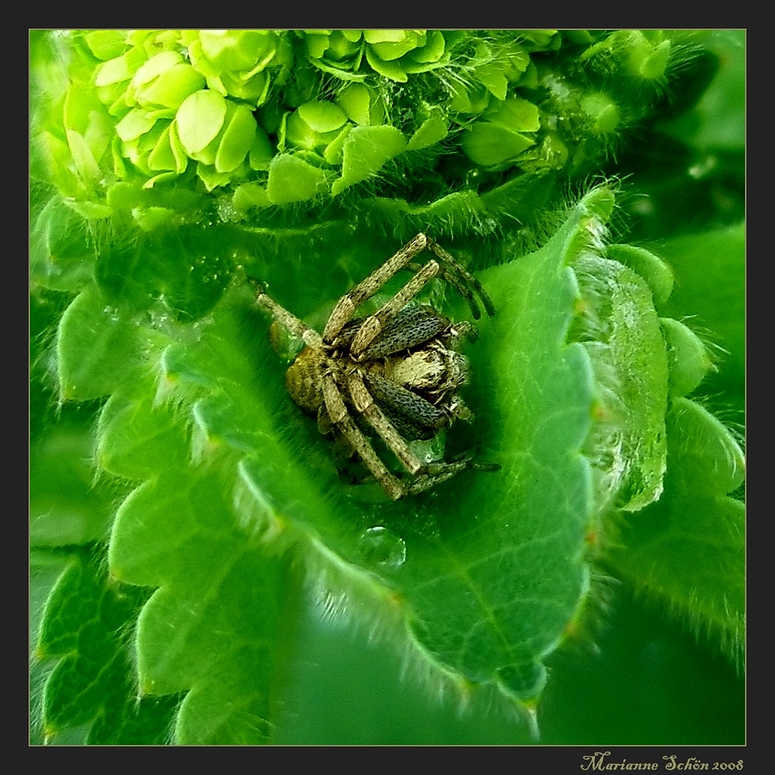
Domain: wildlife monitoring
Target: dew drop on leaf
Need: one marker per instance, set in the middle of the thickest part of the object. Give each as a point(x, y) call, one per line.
point(382, 548)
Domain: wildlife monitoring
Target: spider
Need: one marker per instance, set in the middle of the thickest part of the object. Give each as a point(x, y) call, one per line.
point(394, 374)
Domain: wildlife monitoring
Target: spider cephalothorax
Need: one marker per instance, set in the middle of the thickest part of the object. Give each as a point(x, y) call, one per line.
point(394, 374)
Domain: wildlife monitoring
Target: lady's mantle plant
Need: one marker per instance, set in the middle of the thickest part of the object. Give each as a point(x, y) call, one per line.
point(170, 169)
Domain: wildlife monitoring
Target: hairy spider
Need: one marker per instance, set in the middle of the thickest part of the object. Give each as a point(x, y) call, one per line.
point(395, 373)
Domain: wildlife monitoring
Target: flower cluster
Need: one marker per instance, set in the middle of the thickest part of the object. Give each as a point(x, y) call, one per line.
point(394, 54)
point(190, 97)
point(274, 117)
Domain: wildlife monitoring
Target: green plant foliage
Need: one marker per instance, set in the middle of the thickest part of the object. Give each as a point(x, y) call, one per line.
point(219, 597)
point(710, 294)
point(212, 108)
point(86, 623)
point(624, 340)
point(689, 548)
point(188, 521)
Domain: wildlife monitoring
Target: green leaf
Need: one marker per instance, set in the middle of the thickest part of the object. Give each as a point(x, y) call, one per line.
point(66, 505)
point(134, 124)
point(603, 115)
point(106, 44)
point(238, 49)
point(477, 581)
point(153, 68)
point(261, 151)
point(219, 597)
point(163, 155)
point(238, 135)
point(322, 116)
point(492, 76)
point(687, 551)
point(356, 101)
point(689, 358)
point(96, 348)
point(172, 85)
point(116, 70)
point(393, 44)
point(292, 179)
point(433, 130)
point(494, 592)
point(179, 532)
point(710, 274)
point(200, 118)
point(366, 149)
point(391, 68)
point(650, 267)
point(92, 684)
point(139, 438)
point(188, 267)
point(625, 343)
point(61, 250)
point(486, 573)
point(517, 114)
point(491, 144)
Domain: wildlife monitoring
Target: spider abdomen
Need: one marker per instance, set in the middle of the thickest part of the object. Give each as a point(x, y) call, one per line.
point(303, 380)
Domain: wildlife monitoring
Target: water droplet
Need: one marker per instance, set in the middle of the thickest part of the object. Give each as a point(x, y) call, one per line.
point(382, 548)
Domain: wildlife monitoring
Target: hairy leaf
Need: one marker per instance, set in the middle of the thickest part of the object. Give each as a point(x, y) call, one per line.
point(85, 625)
point(688, 550)
point(96, 348)
point(479, 579)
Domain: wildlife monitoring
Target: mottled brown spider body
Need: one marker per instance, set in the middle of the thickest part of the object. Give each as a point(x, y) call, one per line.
point(395, 373)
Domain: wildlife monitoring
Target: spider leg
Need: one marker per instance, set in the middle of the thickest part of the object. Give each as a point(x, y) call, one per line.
point(373, 324)
point(291, 322)
point(427, 481)
point(427, 474)
point(364, 403)
point(451, 270)
point(349, 303)
point(337, 412)
point(465, 283)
